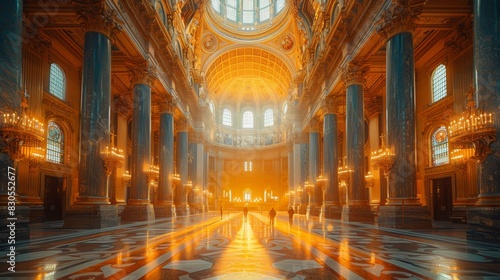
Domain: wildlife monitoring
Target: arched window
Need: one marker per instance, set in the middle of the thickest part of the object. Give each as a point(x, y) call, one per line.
point(212, 108)
point(439, 83)
point(268, 117)
point(55, 143)
point(57, 85)
point(226, 117)
point(439, 146)
point(247, 119)
point(248, 12)
point(161, 12)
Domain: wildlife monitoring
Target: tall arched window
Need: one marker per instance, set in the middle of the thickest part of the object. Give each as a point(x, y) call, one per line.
point(212, 109)
point(439, 146)
point(226, 117)
point(247, 119)
point(439, 83)
point(57, 85)
point(55, 143)
point(268, 117)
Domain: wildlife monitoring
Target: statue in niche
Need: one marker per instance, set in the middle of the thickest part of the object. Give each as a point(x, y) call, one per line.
point(287, 43)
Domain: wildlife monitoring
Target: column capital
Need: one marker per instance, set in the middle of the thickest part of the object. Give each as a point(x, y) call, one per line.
point(314, 125)
point(399, 18)
point(182, 125)
point(354, 73)
point(167, 107)
point(330, 104)
point(98, 17)
point(141, 72)
point(122, 105)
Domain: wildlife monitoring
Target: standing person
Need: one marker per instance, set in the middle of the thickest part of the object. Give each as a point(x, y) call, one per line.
point(221, 212)
point(245, 213)
point(272, 215)
point(290, 215)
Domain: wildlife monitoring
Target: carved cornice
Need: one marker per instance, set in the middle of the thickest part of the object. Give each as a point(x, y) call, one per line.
point(142, 72)
point(399, 18)
point(37, 43)
point(354, 73)
point(96, 16)
point(373, 105)
point(122, 105)
point(461, 41)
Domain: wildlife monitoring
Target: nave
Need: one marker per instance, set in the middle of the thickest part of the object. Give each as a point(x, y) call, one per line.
point(204, 246)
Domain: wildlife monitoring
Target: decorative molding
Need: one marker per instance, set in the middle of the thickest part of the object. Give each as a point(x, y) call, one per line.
point(182, 125)
point(399, 18)
point(315, 125)
point(461, 41)
point(122, 105)
point(373, 105)
point(98, 17)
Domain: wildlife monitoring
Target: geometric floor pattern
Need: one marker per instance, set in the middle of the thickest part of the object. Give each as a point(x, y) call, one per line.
point(204, 246)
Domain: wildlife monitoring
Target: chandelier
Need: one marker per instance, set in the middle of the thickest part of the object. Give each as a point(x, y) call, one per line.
point(153, 172)
point(459, 159)
point(369, 180)
point(344, 173)
point(383, 158)
point(21, 132)
point(473, 129)
point(112, 157)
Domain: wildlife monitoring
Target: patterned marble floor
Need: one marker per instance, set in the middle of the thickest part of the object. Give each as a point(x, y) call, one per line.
point(206, 247)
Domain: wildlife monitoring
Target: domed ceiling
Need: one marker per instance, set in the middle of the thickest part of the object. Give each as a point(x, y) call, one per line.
point(242, 67)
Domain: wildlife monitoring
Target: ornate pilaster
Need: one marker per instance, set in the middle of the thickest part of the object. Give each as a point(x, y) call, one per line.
point(138, 206)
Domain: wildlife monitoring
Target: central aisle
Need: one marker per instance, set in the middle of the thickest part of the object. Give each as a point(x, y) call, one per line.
point(240, 249)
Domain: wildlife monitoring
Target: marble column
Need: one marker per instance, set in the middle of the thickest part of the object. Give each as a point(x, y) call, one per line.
point(181, 205)
point(483, 221)
point(291, 183)
point(165, 204)
point(139, 207)
point(313, 207)
point(300, 163)
point(403, 207)
point(331, 203)
point(195, 170)
point(91, 209)
point(357, 207)
point(11, 14)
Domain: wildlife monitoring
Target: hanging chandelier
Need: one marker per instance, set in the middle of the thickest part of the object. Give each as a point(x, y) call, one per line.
point(472, 129)
point(23, 134)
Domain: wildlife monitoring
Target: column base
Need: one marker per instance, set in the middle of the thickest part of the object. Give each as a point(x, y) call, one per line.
point(16, 226)
point(483, 224)
point(91, 216)
point(138, 212)
point(182, 210)
point(408, 216)
point(166, 210)
point(37, 213)
point(333, 212)
point(357, 213)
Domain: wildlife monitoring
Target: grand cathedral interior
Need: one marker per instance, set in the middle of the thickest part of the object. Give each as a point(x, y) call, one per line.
point(160, 120)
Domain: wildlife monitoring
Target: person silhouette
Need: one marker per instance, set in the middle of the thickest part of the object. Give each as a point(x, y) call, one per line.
point(245, 213)
point(290, 215)
point(272, 215)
